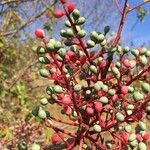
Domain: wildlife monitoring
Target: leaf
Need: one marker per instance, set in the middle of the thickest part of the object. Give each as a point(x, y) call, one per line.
point(1, 43)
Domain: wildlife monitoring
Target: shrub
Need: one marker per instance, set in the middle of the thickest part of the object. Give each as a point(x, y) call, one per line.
point(95, 89)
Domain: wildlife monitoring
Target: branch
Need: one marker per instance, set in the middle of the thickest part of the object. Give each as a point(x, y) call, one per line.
point(118, 6)
point(136, 7)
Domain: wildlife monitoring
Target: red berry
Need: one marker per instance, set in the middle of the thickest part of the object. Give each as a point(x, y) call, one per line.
point(126, 63)
point(98, 106)
point(71, 7)
point(89, 111)
point(125, 137)
point(139, 138)
point(63, 1)
point(114, 98)
point(66, 100)
point(39, 33)
point(58, 13)
point(67, 110)
point(124, 89)
point(146, 136)
point(102, 64)
point(55, 138)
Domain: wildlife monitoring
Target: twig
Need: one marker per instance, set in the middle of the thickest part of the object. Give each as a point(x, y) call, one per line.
point(118, 6)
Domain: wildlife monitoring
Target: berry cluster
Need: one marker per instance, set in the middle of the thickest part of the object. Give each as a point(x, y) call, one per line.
point(105, 92)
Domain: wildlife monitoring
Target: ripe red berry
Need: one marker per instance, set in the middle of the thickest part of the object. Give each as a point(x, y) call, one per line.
point(98, 106)
point(124, 89)
point(102, 64)
point(55, 138)
point(58, 13)
point(89, 111)
point(126, 63)
point(63, 1)
point(66, 100)
point(146, 136)
point(71, 7)
point(39, 33)
point(139, 138)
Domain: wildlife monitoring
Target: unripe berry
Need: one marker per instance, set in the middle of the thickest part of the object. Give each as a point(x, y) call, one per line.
point(143, 60)
point(111, 91)
point(142, 125)
point(129, 112)
point(148, 54)
point(137, 96)
point(61, 52)
point(132, 63)
point(126, 49)
point(76, 14)
point(39, 33)
point(90, 43)
point(132, 137)
point(94, 36)
point(98, 85)
point(71, 7)
point(58, 13)
point(145, 87)
point(63, 33)
point(142, 146)
point(93, 69)
point(103, 43)
point(41, 50)
point(143, 51)
point(100, 37)
point(98, 106)
point(133, 143)
point(106, 29)
point(80, 21)
point(68, 24)
point(35, 147)
point(130, 89)
point(128, 128)
point(69, 32)
point(135, 52)
point(124, 89)
point(119, 116)
point(42, 114)
point(105, 88)
point(44, 73)
point(104, 100)
point(35, 111)
point(57, 45)
point(130, 107)
point(77, 88)
point(81, 33)
point(109, 144)
point(115, 71)
point(97, 128)
point(55, 138)
point(58, 89)
point(44, 101)
point(44, 60)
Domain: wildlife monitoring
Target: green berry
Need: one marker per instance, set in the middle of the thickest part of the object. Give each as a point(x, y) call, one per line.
point(62, 52)
point(76, 14)
point(103, 43)
point(97, 128)
point(137, 96)
point(44, 101)
point(132, 137)
point(126, 49)
point(104, 100)
point(77, 88)
point(93, 69)
point(128, 128)
point(106, 29)
point(135, 52)
point(50, 47)
point(68, 24)
point(69, 32)
point(35, 147)
point(143, 51)
point(142, 125)
point(41, 113)
point(142, 146)
point(58, 89)
point(130, 107)
point(133, 143)
point(35, 111)
point(109, 144)
point(44, 73)
point(100, 37)
point(143, 60)
point(90, 43)
point(44, 60)
point(111, 91)
point(94, 36)
point(80, 21)
point(63, 33)
point(148, 108)
point(130, 89)
point(41, 50)
point(119, 116)
point(81, 33)
point(67, 42)
point(105, 88)
point(146, 87)
point(129, 112)
point(57, 45)
point(148, 53)
point(98, 85)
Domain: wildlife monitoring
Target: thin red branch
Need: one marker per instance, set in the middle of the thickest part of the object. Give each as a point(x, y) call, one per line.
point(118, 6)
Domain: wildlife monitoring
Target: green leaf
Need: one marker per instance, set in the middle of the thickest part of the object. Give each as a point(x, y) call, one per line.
point(1, 43)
